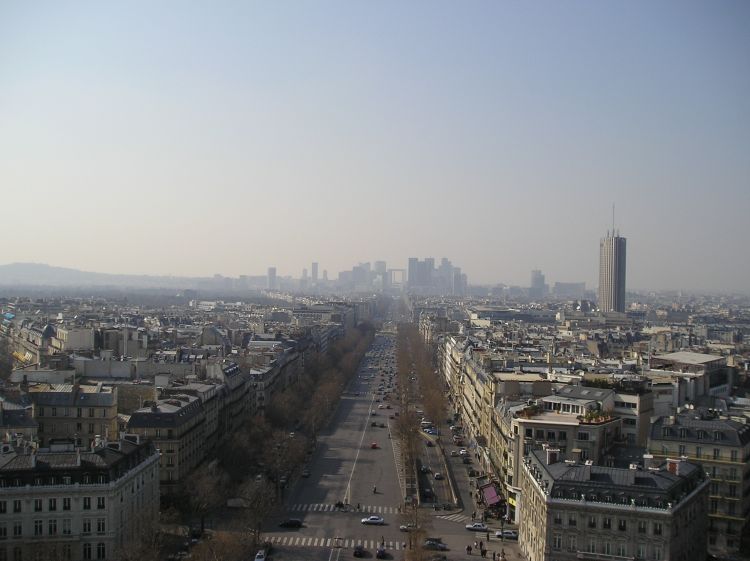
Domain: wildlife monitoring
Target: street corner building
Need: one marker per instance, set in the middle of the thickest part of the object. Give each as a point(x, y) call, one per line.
point(69, 503)
point(583, 511)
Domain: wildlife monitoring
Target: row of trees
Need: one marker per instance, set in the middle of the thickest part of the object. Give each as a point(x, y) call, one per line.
point(266, 444)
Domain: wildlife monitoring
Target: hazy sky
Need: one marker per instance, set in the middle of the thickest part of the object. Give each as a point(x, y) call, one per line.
point(194, 138)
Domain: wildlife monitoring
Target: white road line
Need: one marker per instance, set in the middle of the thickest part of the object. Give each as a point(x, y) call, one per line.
point(347, 495)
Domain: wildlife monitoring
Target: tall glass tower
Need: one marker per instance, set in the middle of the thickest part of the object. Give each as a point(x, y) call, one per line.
point(612, 273)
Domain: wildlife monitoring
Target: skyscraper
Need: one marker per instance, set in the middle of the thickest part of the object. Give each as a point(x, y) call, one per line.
point(538, 287)
point(271, 279)
point(612, 273)
point(315, 271)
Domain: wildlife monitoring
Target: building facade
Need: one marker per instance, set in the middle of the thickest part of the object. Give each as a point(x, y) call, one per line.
point(575, 511)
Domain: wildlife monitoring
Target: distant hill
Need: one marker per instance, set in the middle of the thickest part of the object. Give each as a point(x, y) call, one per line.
point(38, 274)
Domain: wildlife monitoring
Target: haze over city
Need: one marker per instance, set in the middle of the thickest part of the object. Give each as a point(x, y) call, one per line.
point(189, 138)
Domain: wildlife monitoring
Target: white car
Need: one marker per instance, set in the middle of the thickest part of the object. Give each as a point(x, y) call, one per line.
point(260, 556)
point(377, 520)
point(477, 527)
point(462, 452)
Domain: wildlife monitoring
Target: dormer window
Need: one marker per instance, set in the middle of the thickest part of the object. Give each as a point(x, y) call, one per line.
point(683, 432)
point(665, 431)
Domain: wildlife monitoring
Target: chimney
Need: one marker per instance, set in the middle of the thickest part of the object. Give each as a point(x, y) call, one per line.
point(154, 407)
point(33, 458)
point(78, 457)
point(648, 461)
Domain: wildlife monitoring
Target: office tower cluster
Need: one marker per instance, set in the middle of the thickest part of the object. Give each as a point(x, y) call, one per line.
point(425, 278)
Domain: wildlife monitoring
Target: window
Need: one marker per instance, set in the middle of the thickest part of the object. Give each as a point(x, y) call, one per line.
point(67, 552)
point(101, 551)
point(607, 523)
point(592, 545)
point(698, 452)
point(17, 529)
point(86, 503)
point(657, 553)
point(91, 428)
point(100, 525)
point(732, 490)
point(91, 411)
point(713, 506)
point(732, 474)
point(681, 450)
point(37, 505)
point(557, 518)
point(104, 413)
point(3, 532)
point(540, 434)
point(17, 554)
point(607, 548)
point(3, 507)
point(87, 551)
point(641, 526)
point(641, 551)
point(562, 436)
point(79, 412)
point(52, 527)
point(557, 541)
point(592, 521)
point(583, 435)
point(66, 503)
point(529, 433)
point(100, 502)
point(551, 435)
point(52, 504)
point(41, 411)
point(734, 455)
point(657, 528)
point(38, 527)
point(572, 543)
point(717, 453)
point(54, 411)
point(79, 427)
point(66, 526)
point(86, 526)
point(572, 521)
point(622, 525)
point(16, 505)
point(622, 549)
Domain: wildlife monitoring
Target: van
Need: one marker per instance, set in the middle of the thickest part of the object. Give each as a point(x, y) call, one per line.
point(426, 424)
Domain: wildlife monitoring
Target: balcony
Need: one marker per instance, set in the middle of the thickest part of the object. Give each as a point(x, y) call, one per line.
point(602, 556)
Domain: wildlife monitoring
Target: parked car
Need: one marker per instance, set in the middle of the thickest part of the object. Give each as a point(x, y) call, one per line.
point(377, 520)
point(454, 453)
point(291, 523)
point(408, 527)
point(435, 545)
point(260, 556)
point(373, 445)
point(438, 476)
point(305, 472)
point(430, 444)
point(462, 452)
point(507, 534)
point(359, 551)
point(466, 460)
point(477, 527)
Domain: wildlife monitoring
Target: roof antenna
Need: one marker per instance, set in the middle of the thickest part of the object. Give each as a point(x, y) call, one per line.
point(613, 218)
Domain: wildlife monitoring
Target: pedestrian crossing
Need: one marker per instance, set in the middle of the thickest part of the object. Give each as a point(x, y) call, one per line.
point(328, 507)
point(458, 517)
point(302, 541)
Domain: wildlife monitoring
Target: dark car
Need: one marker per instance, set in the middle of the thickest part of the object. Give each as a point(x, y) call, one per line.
point(435, 545)
point(291, 523)
point(359, 551)
point(466, 460)
point(430, 444)
point(373, 424)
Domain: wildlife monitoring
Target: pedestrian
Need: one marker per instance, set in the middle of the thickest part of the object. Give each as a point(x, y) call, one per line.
point(481, 544)
point(357, 507)
point(488, 535)
point(476, 545)
point(494, 556)
point(484, 552)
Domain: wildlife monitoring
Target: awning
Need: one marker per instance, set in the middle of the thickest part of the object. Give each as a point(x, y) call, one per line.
point(490, 495)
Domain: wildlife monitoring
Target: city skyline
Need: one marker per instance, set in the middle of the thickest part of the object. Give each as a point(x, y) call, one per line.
point(250, 135)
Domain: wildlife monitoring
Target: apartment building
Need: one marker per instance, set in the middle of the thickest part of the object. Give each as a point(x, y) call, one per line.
point(74, 412)
point(579, 511)
point(722, 446)
point(176, 427)
point(69, 504)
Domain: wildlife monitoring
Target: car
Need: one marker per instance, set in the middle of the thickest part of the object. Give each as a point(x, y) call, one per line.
point(374, 519)
point(381, 406)
point(434, 545)
point(425, 469)
point(507, 534)
point(410, 527)
point(391, 417)
point(382, 425)
point(260, 556)
point(359, 551)
point(430, 444)
point(380, 553)
point(438, 476)
point(387, 406)
point(462, 452)
point(466, 460)
point(374, 424)
point(373, 445)
point(454, 453)
point(477, 527)
point(291, 523)
point(305, 473)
